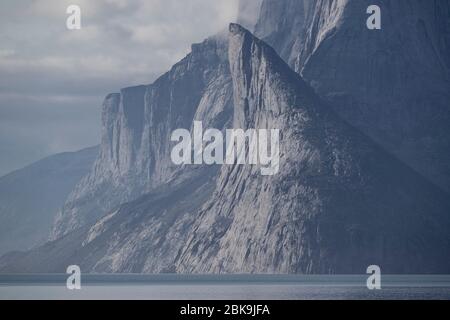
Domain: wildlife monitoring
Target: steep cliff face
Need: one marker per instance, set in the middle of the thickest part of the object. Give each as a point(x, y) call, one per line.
point(137, 123)
point(393, 83)
point(283, 25)
point(338, 203)
point(31, 197)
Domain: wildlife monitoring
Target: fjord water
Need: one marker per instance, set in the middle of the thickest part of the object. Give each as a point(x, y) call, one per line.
point(224, 287)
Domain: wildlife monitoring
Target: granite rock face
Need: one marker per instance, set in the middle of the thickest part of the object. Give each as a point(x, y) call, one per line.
point(137, 124)
point(339, 203)
point(393, 84)
point(283, 24)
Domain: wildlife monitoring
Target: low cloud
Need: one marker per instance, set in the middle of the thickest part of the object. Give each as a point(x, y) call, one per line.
point(53, 80)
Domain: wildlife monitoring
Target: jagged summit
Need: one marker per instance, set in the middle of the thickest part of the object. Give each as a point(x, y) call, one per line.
point(320, 213)
point(236, 28)
point(249, 56)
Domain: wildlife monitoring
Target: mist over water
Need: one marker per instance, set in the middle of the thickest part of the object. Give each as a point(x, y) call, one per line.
point(231, 287)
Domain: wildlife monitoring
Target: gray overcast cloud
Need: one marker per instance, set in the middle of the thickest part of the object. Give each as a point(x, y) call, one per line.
point(53, 81)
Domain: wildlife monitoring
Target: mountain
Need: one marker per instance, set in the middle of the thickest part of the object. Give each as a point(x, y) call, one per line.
point(393, 84)
point(339, 202)
point(30, 197)
point(137, 124)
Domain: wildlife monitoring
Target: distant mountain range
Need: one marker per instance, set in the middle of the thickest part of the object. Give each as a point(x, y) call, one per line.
point(364, 152)
point(31, 197)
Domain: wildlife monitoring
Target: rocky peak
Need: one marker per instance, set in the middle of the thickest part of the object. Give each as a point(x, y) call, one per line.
point(315, 214)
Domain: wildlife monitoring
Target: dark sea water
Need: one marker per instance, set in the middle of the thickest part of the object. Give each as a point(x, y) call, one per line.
point(223, 287)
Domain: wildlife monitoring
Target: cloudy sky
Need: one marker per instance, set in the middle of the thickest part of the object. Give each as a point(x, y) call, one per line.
point(53, 81)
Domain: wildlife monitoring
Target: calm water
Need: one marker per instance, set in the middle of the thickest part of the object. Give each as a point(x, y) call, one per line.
point(238, 287)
